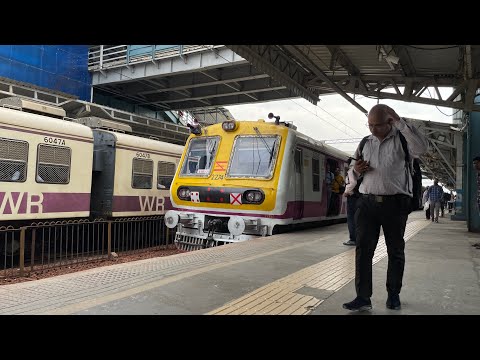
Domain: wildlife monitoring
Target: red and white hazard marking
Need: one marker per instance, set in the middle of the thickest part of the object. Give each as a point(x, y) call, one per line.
point(195, 196)
point(235, 199)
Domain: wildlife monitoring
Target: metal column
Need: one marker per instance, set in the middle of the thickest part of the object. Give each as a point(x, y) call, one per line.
point(460, 213)
point(472, 190)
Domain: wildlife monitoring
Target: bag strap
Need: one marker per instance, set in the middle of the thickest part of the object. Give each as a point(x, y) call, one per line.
point(362, 144)
point(360, 153)
point(405, 147)
point(403, 141)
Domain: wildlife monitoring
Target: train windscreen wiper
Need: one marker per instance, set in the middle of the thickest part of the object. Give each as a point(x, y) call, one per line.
point(266, 145)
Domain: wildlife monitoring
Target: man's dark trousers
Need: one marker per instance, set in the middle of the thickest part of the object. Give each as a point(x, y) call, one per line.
point(391, 213)
point(351, 208)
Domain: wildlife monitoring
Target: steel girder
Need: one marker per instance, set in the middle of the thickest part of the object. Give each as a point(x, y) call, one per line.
point(397, 72)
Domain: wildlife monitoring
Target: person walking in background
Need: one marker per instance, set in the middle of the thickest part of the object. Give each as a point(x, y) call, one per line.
point(442, 205)
point(450, 202)
point(445, 201)
point(386, 192)
point(351, 193)
point(425, 202)
point(328, 183)
point(435, 194)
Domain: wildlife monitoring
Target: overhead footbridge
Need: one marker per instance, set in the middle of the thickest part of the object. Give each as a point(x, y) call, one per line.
point(185, 77)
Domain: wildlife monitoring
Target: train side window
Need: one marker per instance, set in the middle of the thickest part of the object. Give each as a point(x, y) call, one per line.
point(316, 174)
point(142, 174)
point(53, 164)
point(13, 160)
point(165, 174)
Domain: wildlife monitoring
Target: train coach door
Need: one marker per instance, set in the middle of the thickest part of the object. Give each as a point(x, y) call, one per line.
point(298, 161)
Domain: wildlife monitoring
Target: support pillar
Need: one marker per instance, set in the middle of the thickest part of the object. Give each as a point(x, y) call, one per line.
point(473, 150)
point(460, 213)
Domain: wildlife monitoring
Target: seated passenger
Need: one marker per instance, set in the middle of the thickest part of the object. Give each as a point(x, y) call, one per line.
point(192, 167)
point(203, 162)
point(165, 183)
point(15, 176)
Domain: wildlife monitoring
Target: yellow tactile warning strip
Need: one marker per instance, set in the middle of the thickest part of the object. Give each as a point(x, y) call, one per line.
point(280, 297)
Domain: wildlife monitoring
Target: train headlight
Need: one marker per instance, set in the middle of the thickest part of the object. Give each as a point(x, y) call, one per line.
point(183, 193)
point(253, 196)
point(230, 125)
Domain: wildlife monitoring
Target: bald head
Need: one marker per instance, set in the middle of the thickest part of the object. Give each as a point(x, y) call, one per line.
point(379, 111)
point(379, 119)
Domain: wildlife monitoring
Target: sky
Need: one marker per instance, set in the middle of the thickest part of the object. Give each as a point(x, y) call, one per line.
point(335, 118)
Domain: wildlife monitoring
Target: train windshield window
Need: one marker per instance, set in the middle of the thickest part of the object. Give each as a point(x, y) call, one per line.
point(254, 156)
point(166, 172)
point(200, 155)
point(13, 160)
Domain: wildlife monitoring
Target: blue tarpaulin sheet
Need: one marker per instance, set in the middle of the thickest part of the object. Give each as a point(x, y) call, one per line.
point(57, 67)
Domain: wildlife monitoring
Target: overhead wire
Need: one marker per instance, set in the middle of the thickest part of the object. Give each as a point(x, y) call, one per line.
point(439, 48)
point(327, 122)
point(437, 106)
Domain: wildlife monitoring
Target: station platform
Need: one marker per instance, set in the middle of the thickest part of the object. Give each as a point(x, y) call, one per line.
point(307, 272)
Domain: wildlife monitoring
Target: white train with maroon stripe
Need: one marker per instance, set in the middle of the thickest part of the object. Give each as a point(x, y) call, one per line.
point(243, 179)
point(54, 169)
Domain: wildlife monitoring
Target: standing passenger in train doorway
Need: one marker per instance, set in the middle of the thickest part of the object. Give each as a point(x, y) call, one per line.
point(385, 201)
point(328, 184)
point(338, 188)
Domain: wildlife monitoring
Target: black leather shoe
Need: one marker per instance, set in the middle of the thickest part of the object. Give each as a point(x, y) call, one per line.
point(393, 302)
point(358, 304)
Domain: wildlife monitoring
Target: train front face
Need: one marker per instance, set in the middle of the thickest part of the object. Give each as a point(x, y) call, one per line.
point(226, 186)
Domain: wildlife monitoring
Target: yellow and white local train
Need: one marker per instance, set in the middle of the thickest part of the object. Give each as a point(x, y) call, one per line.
point(241, 179)
point(53, 169)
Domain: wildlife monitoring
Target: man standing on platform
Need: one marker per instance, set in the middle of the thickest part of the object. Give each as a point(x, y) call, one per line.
point(386, 193)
